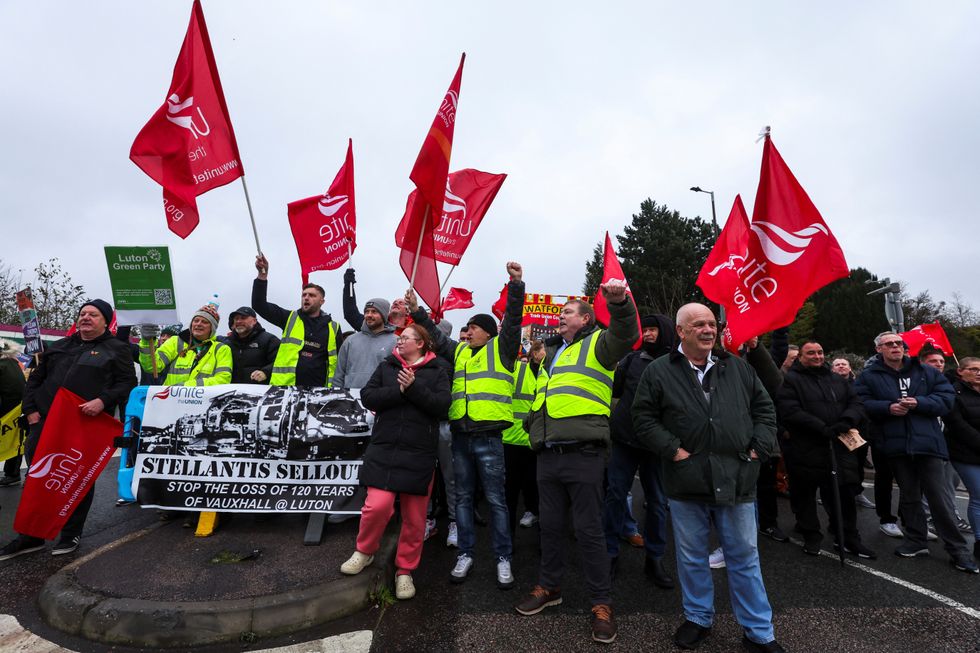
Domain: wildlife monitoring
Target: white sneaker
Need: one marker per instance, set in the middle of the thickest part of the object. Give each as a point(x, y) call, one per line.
point(529, 519)
point(356, 564)
point(505, 579)
point(452, 538)
point(404, 587)
point(464, 563)
point(891, 529)
point(930, 536)
point(717, 559)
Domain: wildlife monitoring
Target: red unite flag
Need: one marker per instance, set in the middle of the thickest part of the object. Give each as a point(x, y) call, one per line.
point(469, 194)
point(324, 226)
point(611, 269)
point(430, 174)
point(789, 254)
point(188, 146)
point(718, 278)
point(927, 334)
point(456, 299)
point(73, 450)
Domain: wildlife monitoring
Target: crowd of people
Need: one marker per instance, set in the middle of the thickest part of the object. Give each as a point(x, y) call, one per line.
point(564, 426)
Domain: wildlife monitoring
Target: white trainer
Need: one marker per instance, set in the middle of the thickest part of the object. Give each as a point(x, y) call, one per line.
point(891, 529)
point(529, 519)
point(505, 579)
point(717, 559)
point(404, 587)
point(464, 563)
point(356, 564)
point(452, 537)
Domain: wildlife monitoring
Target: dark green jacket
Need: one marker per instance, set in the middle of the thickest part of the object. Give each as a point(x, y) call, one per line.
point(670, 411)
point(613, 344)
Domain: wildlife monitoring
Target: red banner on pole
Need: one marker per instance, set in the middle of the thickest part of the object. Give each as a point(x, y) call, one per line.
point(456, 299)
point(73, 450)
point(611, 269)
point(469, 194)
point(188, 146)
point(324, 226)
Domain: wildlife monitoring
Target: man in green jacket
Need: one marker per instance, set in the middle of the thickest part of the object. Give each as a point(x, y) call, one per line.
point(712, 423)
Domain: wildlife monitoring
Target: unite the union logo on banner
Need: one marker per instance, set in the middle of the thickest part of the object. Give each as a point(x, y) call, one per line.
point(175, 107)
point(447, 110)
point(793, 244)
point(55, 468)
point(329, 205)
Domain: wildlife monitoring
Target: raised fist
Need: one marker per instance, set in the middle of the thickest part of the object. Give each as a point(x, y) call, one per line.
point(515, 270)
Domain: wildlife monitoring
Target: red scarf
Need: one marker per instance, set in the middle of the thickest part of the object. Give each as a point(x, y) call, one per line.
point(419, 363)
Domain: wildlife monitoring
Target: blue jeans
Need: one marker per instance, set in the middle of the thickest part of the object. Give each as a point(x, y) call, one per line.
point(970, 475)
point(483, 454)
point(736, 528)
point(624, 461)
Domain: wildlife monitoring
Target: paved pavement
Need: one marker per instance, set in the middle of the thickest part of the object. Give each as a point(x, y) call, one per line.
point(889, 604)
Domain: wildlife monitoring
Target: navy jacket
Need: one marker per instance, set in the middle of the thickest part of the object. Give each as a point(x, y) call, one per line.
point(918, 433)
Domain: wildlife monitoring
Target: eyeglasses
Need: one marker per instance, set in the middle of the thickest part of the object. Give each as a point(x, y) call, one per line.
point(892, 343)
point(972, 370)
point(404, 338)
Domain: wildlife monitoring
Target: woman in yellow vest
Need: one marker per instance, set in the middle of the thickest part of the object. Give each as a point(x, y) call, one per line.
point(194, 357)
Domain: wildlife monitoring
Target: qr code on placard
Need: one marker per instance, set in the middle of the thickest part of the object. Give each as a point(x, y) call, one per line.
point(163, 296)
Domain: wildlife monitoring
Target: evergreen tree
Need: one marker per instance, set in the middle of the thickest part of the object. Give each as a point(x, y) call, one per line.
point(848, 318)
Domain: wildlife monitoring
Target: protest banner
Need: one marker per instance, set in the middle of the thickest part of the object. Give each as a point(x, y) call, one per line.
point(29, 322)
point(73, 450)
point(251, 448)
point(11, 435)
point(539, 309)
point(142, 285)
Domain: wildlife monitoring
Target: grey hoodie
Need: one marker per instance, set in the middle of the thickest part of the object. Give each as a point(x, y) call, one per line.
point(361, 354)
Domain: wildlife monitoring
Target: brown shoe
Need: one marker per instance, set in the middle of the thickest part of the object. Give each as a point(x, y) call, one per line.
point(603, 624)
point(539, 599)
point(635, 540)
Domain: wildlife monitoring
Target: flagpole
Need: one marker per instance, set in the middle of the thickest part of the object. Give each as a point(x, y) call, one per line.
point(349, 254)
point(251, 215)
point(418, 250)
point(443, 286)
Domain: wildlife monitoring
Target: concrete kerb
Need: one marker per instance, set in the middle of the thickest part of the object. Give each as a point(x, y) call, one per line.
point(77, 610)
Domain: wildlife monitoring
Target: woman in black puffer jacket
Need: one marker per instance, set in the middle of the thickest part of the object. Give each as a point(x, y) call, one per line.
point(409, 392)
point(963, 439)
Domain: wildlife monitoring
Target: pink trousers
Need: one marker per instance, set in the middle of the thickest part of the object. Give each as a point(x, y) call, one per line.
point(379, 506)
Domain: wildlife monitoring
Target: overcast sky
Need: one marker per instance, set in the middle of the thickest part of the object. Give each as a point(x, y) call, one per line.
point(589, 111)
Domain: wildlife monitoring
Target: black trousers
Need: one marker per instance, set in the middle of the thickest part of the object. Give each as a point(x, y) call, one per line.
point(926, 475)
point(765, 492)
point(884, 479)
point(572, 483)
point(804, 488)
point(520, 477)
point(76, 522)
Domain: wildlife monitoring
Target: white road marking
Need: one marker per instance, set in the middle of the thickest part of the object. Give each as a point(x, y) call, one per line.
point(14, 638)
point(945, 600)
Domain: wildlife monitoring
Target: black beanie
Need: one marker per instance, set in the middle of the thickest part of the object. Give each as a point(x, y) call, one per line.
point(649, 321)
point(485, 322)
point(102, 306)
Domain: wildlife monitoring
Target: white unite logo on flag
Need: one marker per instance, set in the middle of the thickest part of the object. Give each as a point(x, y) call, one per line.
point(452, 224)
point(329, 206)
point(794, 243)
point(447, 110)
point(57, 467)
point(175, 106)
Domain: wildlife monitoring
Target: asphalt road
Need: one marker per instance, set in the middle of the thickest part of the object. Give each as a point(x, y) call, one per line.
point(890, 604)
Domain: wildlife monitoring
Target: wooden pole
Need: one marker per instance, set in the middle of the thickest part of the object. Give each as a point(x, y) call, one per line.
point(418, 250)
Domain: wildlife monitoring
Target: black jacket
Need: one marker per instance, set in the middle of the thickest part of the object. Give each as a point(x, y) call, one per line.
point(815, 405)
point(404, 444)
point(256, 351)
point(11, 385)
point(97, 369)
point(963, 426)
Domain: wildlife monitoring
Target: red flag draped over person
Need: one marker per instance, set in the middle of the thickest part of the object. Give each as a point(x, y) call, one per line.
point(789, 253)
point(456, 299)
point(73, 450)
point(932, 334)
point(324, 226)
point(188, 146)
point(430, 175)
point(611, 269)
point(469, 194)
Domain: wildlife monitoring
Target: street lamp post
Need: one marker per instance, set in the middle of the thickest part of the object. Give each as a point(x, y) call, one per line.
point(714, 221)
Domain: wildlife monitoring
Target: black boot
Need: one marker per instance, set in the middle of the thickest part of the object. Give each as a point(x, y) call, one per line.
point(654, 570)
point(613, 567)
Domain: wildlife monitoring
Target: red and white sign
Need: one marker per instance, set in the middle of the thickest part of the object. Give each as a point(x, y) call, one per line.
point(927, 334)
point(188, 146)
point(73, 450)
point(324, 226)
